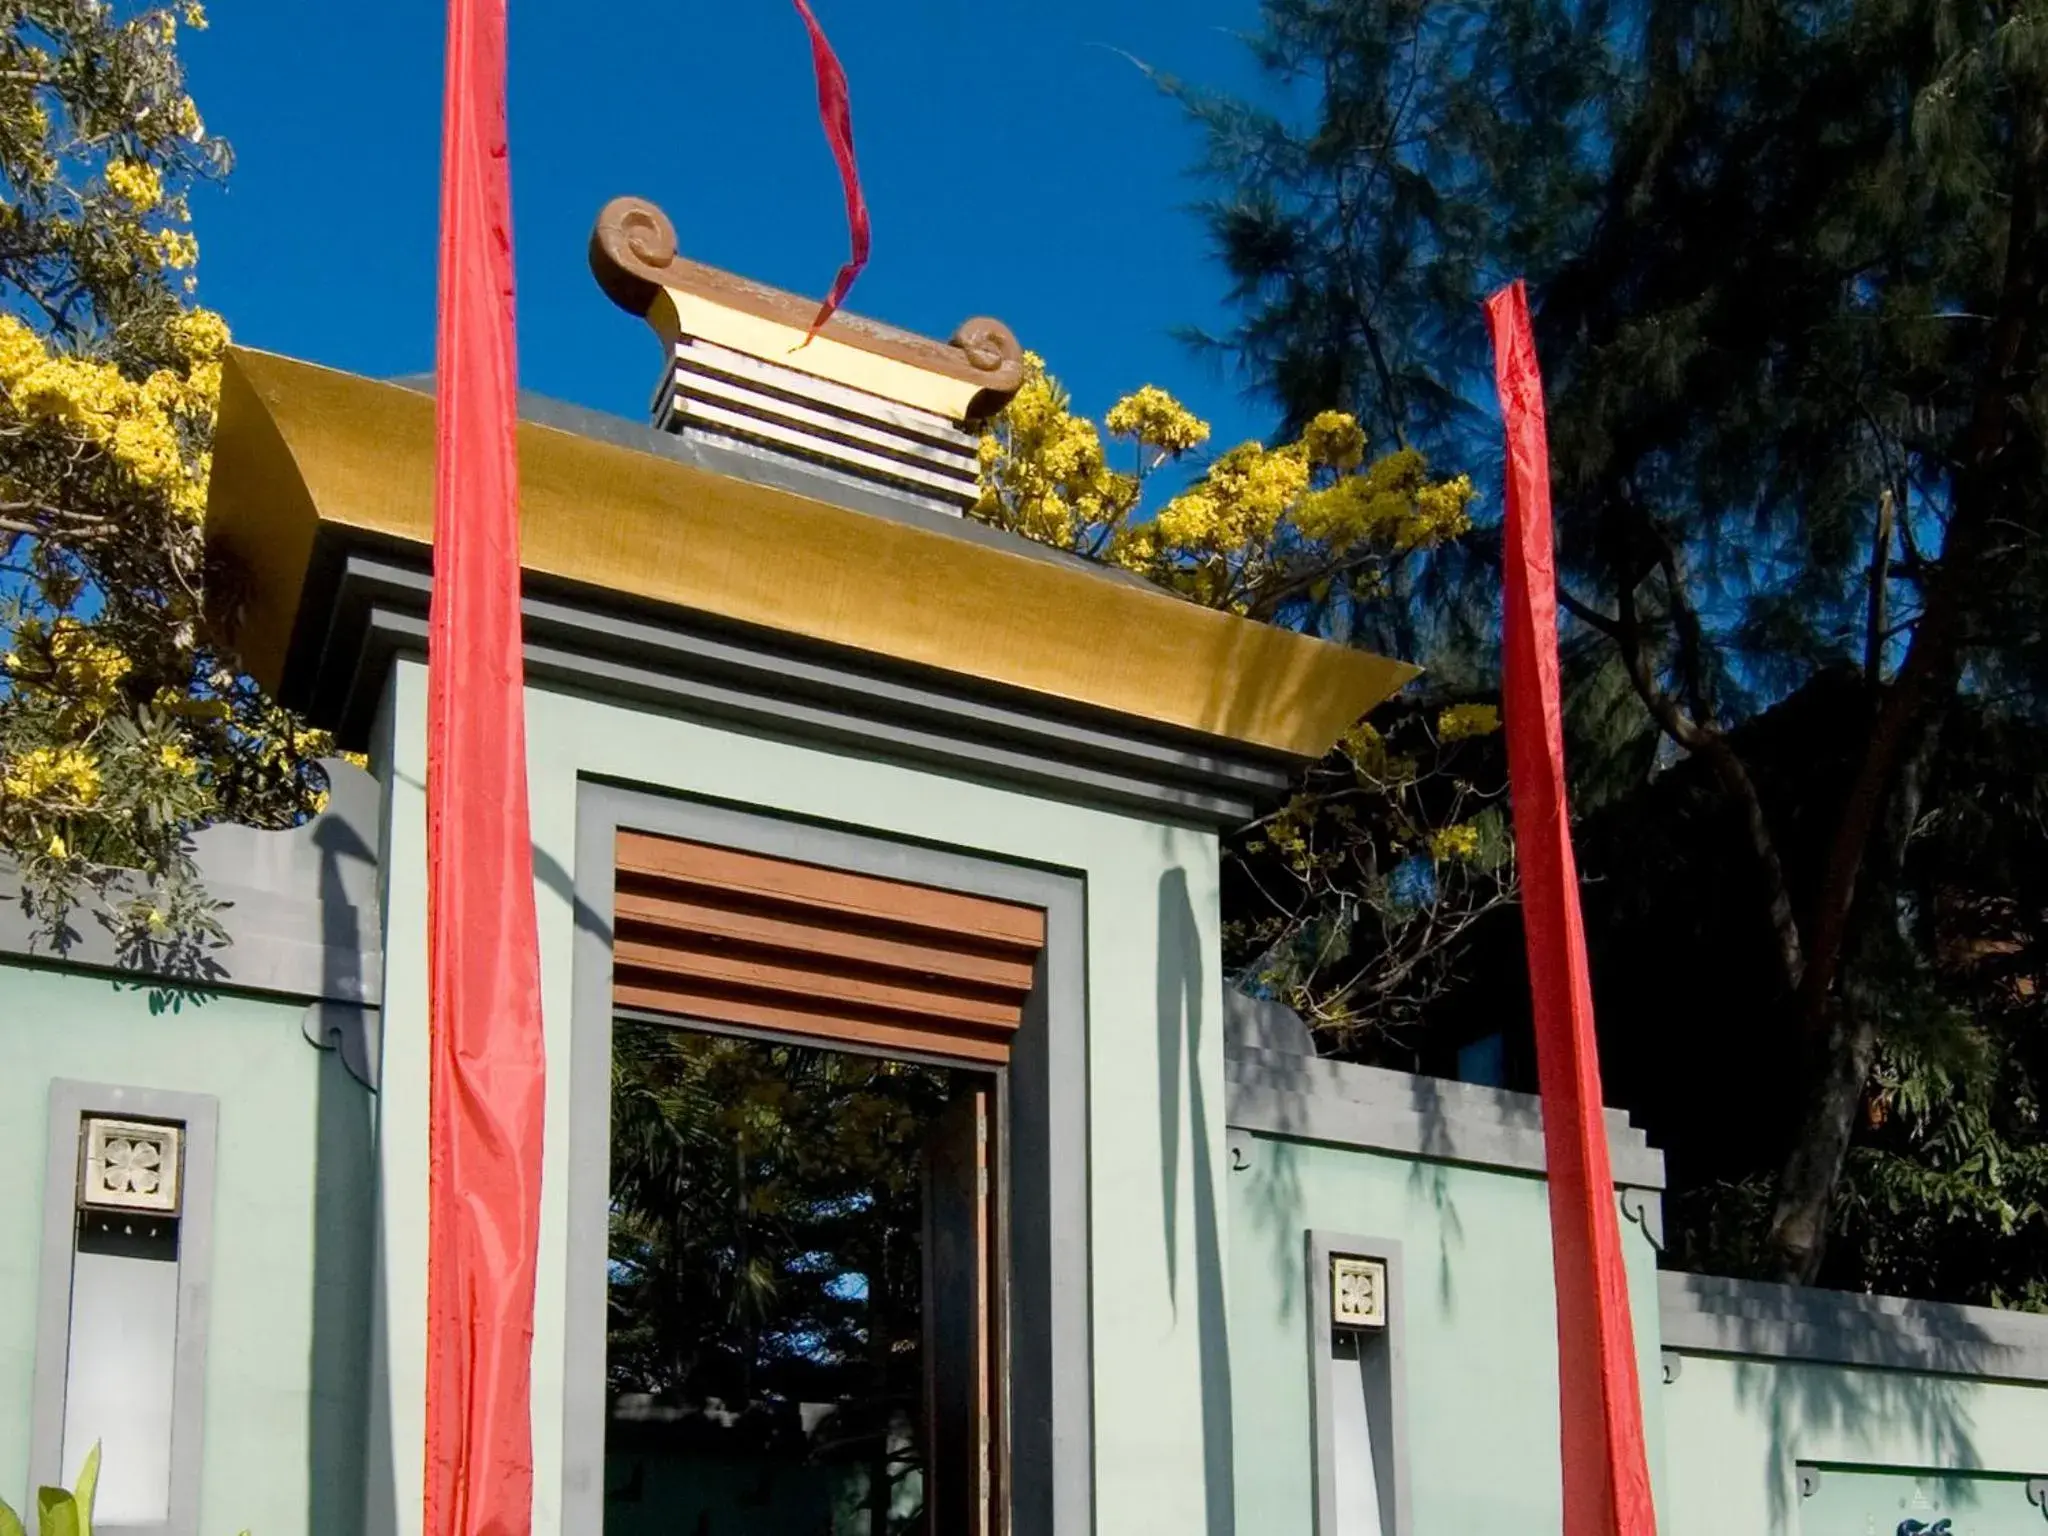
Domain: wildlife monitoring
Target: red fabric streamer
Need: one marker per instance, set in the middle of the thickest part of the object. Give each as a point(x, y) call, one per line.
point(1606, 1470)
point(835, 112)
point(486, 1060)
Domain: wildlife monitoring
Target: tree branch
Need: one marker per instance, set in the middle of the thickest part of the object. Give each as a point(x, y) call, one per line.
point(1880, 573)
point(1933, 659)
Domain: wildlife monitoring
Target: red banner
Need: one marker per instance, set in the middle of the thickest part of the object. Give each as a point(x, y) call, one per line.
point(835, 114)
point(1606, 1471)
point(487, 1065)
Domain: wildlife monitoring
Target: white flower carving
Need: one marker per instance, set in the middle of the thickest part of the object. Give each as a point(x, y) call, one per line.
point(133, 1165)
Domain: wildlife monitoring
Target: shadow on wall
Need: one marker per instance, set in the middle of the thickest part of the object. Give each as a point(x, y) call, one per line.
point(1859, 1409)
point(1182, 973)
point(344, 1213)
point(1274, 1072)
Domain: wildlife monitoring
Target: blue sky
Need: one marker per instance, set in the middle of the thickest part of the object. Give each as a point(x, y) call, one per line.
point(1016, 165)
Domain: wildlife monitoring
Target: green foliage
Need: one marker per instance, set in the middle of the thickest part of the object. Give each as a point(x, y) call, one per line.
point(1791, 265)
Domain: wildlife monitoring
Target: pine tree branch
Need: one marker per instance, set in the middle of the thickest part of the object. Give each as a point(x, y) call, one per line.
point(1933, 659)
point(1587, 614)
point(1880, 573)
point(1691, 639)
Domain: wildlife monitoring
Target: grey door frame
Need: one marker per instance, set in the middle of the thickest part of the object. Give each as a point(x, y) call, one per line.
point(1049, 1392)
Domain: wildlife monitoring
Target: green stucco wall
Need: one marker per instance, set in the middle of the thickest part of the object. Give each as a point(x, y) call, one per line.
point(1738, 1430)
point(286, 1346)
point(1478, 1327)
point(1155, 1069)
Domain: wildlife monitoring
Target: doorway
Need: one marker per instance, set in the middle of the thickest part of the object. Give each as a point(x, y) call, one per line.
point(839, 955)
point(803, 1252)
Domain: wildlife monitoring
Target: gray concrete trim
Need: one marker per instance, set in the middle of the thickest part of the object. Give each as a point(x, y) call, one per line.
point(301, 908)
point(1748, 1319)
point(69, 1101)
point(1051, 1356)
point(1390, 1371)
point(369, 608)
point(1308, 1098)
point(1260, 1024)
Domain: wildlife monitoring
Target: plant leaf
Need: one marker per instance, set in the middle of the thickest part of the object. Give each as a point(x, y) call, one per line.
point(56, 1513)
point(86, 1488)
point(10, 1522)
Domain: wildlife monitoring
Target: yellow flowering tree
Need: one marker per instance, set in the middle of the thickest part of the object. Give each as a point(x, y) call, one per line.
point(1357, 899)
point(1302, 533)
point(120, 727)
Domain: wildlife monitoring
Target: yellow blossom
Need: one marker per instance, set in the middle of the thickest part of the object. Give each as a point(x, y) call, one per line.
point(1254, 487)
point(1261, 525)
point(65, 773)
point(147, 447)
point(175, 248)
point(200, 334)
point(72, 389)
point(1441, 512)
point(1335, 439)
point(177, 759)
point(142, 427)
point(1462, 721)
point(1187, 520)
point(70, 664)
point(1154, 417)
point(1366, 748)
point(1376, 765)
point(185, 119)
point(1456, 842)
point(21, 352)
point(195, 15)
point(136, 183)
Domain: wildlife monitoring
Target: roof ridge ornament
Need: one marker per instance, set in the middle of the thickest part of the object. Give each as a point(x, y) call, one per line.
point(635, 258)
point(755, 368)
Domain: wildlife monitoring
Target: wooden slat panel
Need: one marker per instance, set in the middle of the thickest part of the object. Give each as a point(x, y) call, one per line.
point(706, 919)
point(895, 902)
point(737, 938)
point(825, 1026)
point(934, 1005)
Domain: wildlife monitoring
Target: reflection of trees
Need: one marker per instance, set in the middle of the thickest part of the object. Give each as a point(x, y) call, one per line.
point(765, 1244)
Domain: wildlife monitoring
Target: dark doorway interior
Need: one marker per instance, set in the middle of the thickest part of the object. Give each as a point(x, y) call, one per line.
point(800, 1323)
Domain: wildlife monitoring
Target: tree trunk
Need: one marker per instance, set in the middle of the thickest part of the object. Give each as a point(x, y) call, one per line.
point(1806, 1185)
point(1848, 1047)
